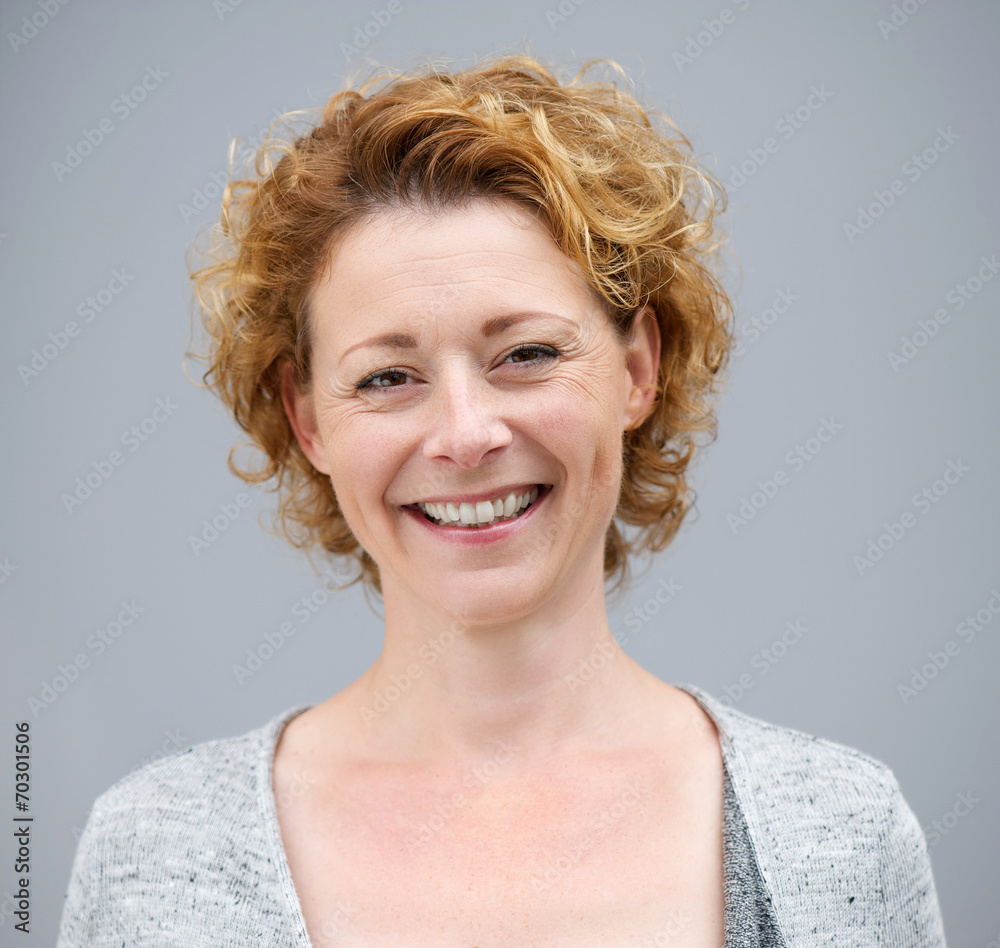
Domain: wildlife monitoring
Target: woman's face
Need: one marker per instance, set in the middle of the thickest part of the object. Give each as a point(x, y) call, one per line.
point(460, 360)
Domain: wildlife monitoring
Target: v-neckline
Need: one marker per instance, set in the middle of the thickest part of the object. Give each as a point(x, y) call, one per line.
point(742, 879)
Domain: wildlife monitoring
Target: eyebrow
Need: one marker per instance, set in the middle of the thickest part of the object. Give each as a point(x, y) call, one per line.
point(490, 327)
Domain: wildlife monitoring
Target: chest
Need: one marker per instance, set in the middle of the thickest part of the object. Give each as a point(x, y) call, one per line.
point(619, 858)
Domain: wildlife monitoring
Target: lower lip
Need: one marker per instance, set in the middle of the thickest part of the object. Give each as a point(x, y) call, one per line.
point(477, 536)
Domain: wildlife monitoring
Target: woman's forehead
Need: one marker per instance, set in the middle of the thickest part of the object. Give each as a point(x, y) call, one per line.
point(461, 255)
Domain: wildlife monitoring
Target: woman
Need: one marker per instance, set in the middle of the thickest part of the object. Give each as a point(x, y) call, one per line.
point(470, 322)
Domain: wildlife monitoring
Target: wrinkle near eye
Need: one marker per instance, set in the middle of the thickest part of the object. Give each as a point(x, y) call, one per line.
point(336, 388)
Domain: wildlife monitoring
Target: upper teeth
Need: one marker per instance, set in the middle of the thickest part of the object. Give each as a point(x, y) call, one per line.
point(486, 511)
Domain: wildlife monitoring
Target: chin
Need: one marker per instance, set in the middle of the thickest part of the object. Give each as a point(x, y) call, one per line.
point(488, 596)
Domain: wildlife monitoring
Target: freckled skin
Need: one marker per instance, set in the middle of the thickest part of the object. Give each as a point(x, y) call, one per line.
point(461, 413)
point(466, 419)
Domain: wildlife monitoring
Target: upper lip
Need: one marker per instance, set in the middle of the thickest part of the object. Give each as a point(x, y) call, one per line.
point(497, 492)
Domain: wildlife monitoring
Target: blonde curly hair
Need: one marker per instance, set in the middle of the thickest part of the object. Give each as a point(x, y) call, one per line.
point(627, 202)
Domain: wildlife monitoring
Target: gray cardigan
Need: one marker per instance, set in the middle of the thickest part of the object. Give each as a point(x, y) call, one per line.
point(187, 850)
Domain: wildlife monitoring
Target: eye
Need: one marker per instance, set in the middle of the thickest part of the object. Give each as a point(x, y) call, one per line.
point(396, 377)
point(543, 354)
point(372, 381)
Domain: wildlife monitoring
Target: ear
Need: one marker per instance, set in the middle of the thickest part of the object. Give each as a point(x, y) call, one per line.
point(302, 416)
point(643, 365)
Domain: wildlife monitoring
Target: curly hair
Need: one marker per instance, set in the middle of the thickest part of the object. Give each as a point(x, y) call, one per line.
point(627, 202)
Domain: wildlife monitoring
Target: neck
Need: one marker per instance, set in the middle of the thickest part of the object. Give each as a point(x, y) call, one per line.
point(448, 688)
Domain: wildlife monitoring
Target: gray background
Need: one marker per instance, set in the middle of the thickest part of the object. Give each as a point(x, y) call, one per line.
point(168, 681)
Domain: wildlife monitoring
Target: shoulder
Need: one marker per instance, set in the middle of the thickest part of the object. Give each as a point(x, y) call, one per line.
point(791, 765)
point(213, 775)
point(183, 844)
point(837, 844)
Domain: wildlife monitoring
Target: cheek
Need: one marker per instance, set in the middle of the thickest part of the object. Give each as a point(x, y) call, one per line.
point(362, 459)
point(583, 431)
point(583, 411)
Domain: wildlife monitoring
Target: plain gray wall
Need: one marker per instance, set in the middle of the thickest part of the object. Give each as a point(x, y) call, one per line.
point(217, 70)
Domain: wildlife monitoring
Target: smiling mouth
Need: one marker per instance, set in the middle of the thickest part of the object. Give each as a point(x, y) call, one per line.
point(483, 514)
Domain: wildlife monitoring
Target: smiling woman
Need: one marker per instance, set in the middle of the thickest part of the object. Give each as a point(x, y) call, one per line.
point(471, 323)
point(515, 392)
point(625, 203)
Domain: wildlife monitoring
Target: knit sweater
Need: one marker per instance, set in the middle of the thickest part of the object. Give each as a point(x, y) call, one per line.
point(820, 848)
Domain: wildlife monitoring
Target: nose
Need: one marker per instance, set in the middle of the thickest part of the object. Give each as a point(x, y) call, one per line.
point(466, 424)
